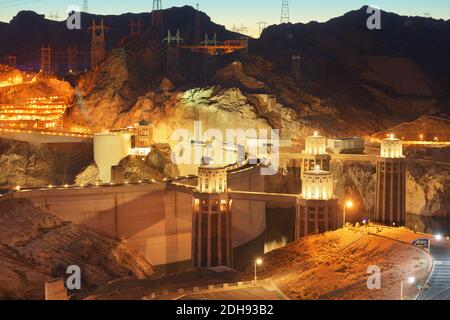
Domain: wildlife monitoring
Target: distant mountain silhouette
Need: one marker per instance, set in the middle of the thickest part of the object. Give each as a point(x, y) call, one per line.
point(28, 31)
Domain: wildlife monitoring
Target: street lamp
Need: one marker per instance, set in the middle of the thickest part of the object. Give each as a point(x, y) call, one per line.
point(348, 204)
point(411, 280)
point(258, 262)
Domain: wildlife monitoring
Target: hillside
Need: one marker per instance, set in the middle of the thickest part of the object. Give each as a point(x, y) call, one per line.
point(335, 265)
point(353, 81)
point(35, 246)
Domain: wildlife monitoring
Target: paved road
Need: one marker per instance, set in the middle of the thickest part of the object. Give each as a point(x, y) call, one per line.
point(439, 283)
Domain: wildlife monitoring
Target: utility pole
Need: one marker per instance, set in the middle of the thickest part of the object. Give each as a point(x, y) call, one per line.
point(209, 60)
point(285, 11)
point(157, 14)
point(173, 50)
point(72, 65)
point(98, 51)
point(12, 61)
point(242, 29)
point(135, 27)
point(53, 16)
point(296, 67)
point(46, 60)
point(198, 31)
point(261, 25)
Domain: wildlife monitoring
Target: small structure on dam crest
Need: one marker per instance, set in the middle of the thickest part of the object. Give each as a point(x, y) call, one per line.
point(317, 208)
point(211, 219)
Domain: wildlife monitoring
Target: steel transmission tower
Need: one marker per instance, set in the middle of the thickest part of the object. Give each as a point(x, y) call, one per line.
point(46, 60)
point(262, 25)
point(157, 14)
point(135, 27)
point(285, 11)
point(85, 6)
point(98, 51)
point(72, 64)
point(296, 66)
point(173, 50)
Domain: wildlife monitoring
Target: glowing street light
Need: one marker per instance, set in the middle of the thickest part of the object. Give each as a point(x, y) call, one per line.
point(348, 205)
point(258, 262)
point(421, 137)
point(438, 237)
point(410, 280)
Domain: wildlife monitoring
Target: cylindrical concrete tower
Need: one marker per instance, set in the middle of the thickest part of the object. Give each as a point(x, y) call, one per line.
point(211, 220)
point(317, 207)
point(391, 184)
point(315, 144)
point(109, 149)
point(315, 154)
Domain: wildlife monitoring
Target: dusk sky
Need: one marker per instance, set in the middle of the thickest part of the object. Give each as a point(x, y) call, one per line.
point(230, 12)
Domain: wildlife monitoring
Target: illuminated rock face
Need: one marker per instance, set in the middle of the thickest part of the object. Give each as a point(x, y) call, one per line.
point(391, 184)
point(211, 225)
point(317, 185)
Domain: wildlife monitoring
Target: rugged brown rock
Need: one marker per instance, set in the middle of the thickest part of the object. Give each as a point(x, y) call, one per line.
point(36, 245)
point(37, 164)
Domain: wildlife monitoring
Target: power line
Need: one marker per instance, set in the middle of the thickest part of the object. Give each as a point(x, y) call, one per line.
point(262, 25)
point(285, 11)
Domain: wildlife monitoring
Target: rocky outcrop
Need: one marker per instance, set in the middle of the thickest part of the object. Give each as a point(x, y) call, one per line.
point(89, 175)
point(36, 164)
point(428, 190)
point(356, 181)
point(36, 246)
point(107, 93)
point(427, 186)
point(35, 86)
point(10, 76)
point(157, 165)
point(233, 75)
point(428, 127)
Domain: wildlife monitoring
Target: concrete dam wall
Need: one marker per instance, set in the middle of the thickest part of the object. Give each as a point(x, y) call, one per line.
point(155, 220)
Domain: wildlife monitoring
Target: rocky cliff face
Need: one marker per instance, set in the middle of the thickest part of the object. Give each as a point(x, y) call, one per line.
point(36, 164)
point(428, 190)
point(356, 181)
point(36, 246)
point(33, 86)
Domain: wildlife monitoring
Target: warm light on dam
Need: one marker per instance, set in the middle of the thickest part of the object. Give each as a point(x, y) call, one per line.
point(315, 144)
point(317, 185)
point(212, 179)
point(391, 148)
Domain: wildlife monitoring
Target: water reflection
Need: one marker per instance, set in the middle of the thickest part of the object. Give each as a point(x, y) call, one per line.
point(431, 225)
